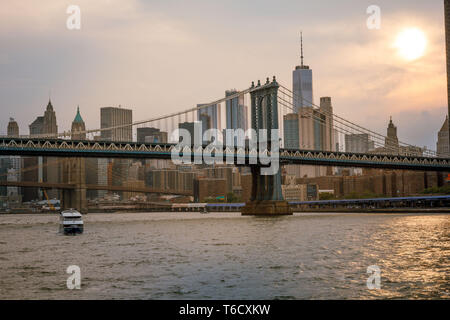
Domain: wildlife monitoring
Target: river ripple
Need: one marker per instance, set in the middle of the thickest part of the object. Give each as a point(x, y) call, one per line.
point(226, 256)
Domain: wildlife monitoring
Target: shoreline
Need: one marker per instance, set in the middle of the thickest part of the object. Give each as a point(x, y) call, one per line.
point(331, 210)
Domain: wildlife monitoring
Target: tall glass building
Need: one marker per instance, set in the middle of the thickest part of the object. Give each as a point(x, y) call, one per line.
point(302, 87)
point(302, 83)
point(291, 131)
point(208, 117)
point(236, 111)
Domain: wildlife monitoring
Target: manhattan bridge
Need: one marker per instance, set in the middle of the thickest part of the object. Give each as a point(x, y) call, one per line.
point(270, 103)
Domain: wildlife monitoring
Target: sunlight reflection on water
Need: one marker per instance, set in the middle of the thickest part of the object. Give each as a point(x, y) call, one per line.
point(226, 256)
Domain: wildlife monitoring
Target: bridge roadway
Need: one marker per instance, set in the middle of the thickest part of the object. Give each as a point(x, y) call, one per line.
point(107, 149)
point(69, 186)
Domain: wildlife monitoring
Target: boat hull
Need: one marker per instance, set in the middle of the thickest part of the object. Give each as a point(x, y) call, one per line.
point(73, 230)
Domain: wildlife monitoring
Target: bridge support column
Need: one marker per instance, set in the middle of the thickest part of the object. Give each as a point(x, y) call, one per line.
point(75, 173)
point(267, 198)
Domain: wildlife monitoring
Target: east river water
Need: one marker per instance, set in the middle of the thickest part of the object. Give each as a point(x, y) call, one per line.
point(226, 256)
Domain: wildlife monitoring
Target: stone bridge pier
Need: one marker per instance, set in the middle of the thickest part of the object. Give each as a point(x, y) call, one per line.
point(74, 172)
point(267, 198)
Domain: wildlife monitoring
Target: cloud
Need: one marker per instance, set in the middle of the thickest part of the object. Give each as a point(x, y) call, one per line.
point(166, 56)
point(367, 80)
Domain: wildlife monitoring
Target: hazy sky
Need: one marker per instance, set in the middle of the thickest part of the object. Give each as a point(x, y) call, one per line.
point(164, 56)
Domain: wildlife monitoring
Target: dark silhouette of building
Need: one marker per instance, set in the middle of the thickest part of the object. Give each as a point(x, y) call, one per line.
point(37, 126)
point(121, 119)
point(50, 127)
point(194, 130)
point(391, 140)
point(151, 135)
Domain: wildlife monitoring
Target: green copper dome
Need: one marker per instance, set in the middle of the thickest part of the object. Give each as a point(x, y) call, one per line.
point(78, 117)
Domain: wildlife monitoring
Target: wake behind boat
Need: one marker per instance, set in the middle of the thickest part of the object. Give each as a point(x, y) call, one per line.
point(71, 222)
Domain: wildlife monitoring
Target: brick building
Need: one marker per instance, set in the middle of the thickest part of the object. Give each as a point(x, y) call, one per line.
point(209, 188)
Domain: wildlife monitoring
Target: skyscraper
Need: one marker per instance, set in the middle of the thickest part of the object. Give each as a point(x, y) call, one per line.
point(151, 135)
point(14, 161)
point(236, 111)
point(208, 117)
point(120, 119)
point(358, 143)
point(391, 141)
point(116, 117)
point(32, 172)
point(12, 165)
point(209, 114)
point(300, 130)
point(447, 45)
point(302, 84)
point(48, 167)
point(236, 115)
point(88, 165)
point(78, 127)
point(291, 131)
point(319, 120)
point(442, 145)
point(309, 121)
point(37, 126)
point(13, 128)
point(51, 165)
point(308, 127)
point(49, 126)
point(326, 110)
point(195, 131)
point(304, 130)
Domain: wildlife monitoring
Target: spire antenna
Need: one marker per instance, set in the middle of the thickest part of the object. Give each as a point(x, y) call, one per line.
point(301, 47)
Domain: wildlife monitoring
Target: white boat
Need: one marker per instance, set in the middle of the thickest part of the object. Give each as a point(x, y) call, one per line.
point(71, 222)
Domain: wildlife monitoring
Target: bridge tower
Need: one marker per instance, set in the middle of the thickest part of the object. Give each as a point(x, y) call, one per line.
point(267, 198)
point(74, 172)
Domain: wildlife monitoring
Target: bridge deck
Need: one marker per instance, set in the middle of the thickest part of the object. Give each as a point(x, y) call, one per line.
point(71, 148)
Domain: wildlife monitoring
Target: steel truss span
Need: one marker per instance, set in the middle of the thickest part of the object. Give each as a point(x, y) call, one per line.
point(103, 149)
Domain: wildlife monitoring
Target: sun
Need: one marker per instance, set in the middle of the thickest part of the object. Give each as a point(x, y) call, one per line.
point(411, 43)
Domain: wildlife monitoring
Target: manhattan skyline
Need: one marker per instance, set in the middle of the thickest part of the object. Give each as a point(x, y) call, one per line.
point(138, 54)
